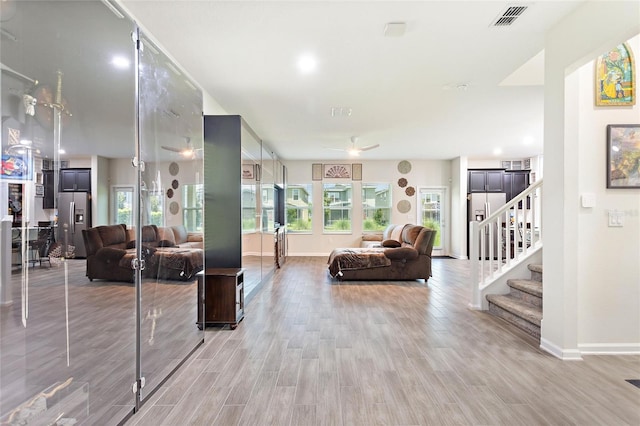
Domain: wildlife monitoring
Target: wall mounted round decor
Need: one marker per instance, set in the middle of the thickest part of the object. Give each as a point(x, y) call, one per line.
point(404, 167)
point(402, 182)
point(170, 193)
point(175, 184)
point(404, 206)
point(174, 168)
point(410, 191)
point(174, 207)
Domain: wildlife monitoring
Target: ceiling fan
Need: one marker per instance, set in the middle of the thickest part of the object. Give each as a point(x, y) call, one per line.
point(188, 151)
point(353, 149)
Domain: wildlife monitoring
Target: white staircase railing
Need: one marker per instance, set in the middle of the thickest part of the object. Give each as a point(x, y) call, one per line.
point(504, 239)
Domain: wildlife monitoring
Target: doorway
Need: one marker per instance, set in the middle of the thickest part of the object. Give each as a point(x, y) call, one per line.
point(432, 214)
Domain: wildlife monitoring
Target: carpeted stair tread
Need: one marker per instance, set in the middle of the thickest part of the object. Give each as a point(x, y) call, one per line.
point(533, 267)
point(526, 311)
point(527, 286)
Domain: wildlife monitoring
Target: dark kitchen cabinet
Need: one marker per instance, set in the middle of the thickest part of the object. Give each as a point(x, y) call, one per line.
point(76, 180)
point(486, 180)
point(515, 182)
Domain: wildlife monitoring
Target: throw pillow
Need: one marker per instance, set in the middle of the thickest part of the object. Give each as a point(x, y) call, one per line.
point(391, 243)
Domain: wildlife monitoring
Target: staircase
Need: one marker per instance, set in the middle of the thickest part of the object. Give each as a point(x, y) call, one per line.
point(522, 306)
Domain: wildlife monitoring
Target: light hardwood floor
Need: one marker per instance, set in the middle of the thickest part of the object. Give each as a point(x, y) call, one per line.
point(312, 351)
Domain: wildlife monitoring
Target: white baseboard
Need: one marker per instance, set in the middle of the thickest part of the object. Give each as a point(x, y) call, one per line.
point(458, 256)
point(558, 352)
point(609, 348)
point(474, 307)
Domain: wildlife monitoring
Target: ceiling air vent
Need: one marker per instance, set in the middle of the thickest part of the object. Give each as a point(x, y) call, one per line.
point(509, 16)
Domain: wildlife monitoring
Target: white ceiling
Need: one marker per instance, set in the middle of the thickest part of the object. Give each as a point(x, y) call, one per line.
point(403, 90)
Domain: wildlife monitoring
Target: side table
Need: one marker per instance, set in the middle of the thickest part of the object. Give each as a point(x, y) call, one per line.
point(220, 296)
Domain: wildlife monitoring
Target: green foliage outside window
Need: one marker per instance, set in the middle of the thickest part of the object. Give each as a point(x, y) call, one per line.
point(435, 225)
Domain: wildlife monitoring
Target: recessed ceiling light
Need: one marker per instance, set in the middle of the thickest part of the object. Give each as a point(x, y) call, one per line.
point(120, 62)
point(307, 63)
point(497, 151)
point(62, 151)
point(395, 29)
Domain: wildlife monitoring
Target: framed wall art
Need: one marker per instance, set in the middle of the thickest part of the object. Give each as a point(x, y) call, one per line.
point(615, 77)
point(316, 171)
point(340, 171)
point(248, 171)
point(356, 171)
point(623, 156)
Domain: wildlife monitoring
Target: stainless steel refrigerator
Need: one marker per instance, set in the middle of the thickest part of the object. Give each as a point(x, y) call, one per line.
point(74, 215)
point(480, 206)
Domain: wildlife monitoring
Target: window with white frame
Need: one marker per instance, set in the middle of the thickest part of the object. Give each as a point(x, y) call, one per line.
point(337, 207)
point(299, 208)
point(192, 207)
point(376, 206)
point(123, 204)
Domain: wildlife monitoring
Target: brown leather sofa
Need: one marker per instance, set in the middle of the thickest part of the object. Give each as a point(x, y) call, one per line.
point(169, 253)
point(405, 254)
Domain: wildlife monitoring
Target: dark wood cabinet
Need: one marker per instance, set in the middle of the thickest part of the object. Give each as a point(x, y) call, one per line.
point(514, 183)
point(220, 296)
point(76, 180)
point(48, 181)
point(486, 180)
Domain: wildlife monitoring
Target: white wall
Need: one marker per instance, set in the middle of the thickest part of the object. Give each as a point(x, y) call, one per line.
point(574, 41)
point(458, 228)
point(608, 258)
point(424, 173)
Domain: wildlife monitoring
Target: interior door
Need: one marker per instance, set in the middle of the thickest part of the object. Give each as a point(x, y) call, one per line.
point(169, 164)
point(67, 352)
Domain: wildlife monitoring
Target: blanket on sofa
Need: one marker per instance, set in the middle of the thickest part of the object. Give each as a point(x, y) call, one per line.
point(351, 259)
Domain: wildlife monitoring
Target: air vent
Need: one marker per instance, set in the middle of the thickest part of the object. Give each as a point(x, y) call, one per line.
point(509, 16)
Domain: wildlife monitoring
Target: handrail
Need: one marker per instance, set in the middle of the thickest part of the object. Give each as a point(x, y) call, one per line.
point(504, 239)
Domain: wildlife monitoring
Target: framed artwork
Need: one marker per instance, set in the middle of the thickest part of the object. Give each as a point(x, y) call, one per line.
point(16, 167)
point(248, 171)
point(339, 171)
point(356, 171)
point(316, 171)
point(616, 77)
point(623, 156)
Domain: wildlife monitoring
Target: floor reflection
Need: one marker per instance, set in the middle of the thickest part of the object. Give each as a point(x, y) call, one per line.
point(101, 330)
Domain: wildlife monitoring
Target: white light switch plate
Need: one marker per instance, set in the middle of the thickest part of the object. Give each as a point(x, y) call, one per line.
point(616, 218)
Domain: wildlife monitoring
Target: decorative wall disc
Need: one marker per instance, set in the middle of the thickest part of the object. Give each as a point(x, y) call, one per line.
point(402, 182)
point(175, 184)
point(174, 207)
point(170, 193)
point(404, 206)
point(410, 191)
point(404, 167)
point(174, 168)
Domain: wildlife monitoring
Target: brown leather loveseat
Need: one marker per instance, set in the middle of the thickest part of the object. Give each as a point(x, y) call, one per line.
point(405, 254)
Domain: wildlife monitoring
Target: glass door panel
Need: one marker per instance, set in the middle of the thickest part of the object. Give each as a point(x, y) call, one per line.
point(267, 227)
point(251, 214)
point(169, 227)
point(431, 213)
point(67, 352)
